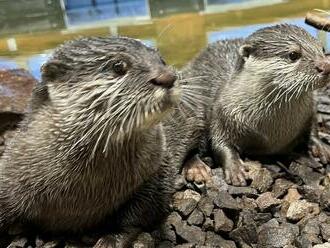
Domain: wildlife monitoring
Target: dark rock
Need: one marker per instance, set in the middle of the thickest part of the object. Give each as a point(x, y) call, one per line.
point(144, 240)
point(196, 218)
point(206, 205)
point(281, 187)
point(225, 201)
point(248, 216)
point(323, 217)
point(266, 201)
point(190, 234)
point(307, 174)
point(325, 230)
point(167, 231)
point(245, 234)
point(305, 241)
point(310, 233)
point(311, 193)
point(273, 168)
point(275, 237)
point(174, 220)
point(240, 191)
point(294, 229)
point(222, 222)
point(185, 206)
point(261, 218)
point(270, 224)
point(325, 200)
point(18, 243)
point(262, 180)
point(247, 203)
point(216, 241)
point(208, 224)
point(309, 162)
point(185, 202)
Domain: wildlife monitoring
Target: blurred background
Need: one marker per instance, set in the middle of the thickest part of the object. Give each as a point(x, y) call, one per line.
point(30, 29)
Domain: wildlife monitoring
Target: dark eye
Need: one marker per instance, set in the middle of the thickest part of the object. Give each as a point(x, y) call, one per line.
point(120, 67)
point(294, 56)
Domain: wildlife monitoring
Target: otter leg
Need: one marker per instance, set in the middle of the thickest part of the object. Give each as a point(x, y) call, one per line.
point(148, 206)
point(233, 166)
point(197, 171)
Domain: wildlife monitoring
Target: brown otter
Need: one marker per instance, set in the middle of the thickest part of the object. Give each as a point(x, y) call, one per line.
point(93, 150)
point(261, 94)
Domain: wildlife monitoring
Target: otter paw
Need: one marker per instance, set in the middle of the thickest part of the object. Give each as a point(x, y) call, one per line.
point(320, 150)
point(195, 170)
point(235, 173)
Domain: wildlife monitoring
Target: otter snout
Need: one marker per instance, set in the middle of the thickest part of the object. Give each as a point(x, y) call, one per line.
point(323, 66)
point(165, 79)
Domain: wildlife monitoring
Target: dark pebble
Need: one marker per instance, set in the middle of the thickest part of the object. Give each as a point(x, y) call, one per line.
point(190, 234)
point(225, 201)
point(221, 222)
point(196, 218)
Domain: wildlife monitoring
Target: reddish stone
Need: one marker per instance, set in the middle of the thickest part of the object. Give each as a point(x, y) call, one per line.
point(15, 90)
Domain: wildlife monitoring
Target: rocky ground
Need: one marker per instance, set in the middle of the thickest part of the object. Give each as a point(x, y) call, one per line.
point(286, 204)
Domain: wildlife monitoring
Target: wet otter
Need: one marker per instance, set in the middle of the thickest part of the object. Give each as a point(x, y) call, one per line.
point(93, 151)
point(261, 91)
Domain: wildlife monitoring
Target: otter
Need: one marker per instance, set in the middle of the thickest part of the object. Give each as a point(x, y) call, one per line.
point(261, 95)
point(93, 152)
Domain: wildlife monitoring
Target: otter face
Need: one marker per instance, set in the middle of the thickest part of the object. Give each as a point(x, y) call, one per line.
point(115, 82)
point(285, 57)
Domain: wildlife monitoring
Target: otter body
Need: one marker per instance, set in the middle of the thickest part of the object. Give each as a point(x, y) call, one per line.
point(261, 93)
point(93, 151)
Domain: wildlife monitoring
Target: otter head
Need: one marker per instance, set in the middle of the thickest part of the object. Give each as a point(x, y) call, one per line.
point(285, 59)
point(110, 86)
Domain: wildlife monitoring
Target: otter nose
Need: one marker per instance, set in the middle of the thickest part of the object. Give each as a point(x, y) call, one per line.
point(165, 80)
point(323, 66)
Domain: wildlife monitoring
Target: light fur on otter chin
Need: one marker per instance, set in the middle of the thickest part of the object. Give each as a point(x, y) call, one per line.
point(264, 91)
point(101, 111)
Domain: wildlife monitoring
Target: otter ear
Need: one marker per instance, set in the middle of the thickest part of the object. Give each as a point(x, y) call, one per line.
point(53, 70)
point(246, 50)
